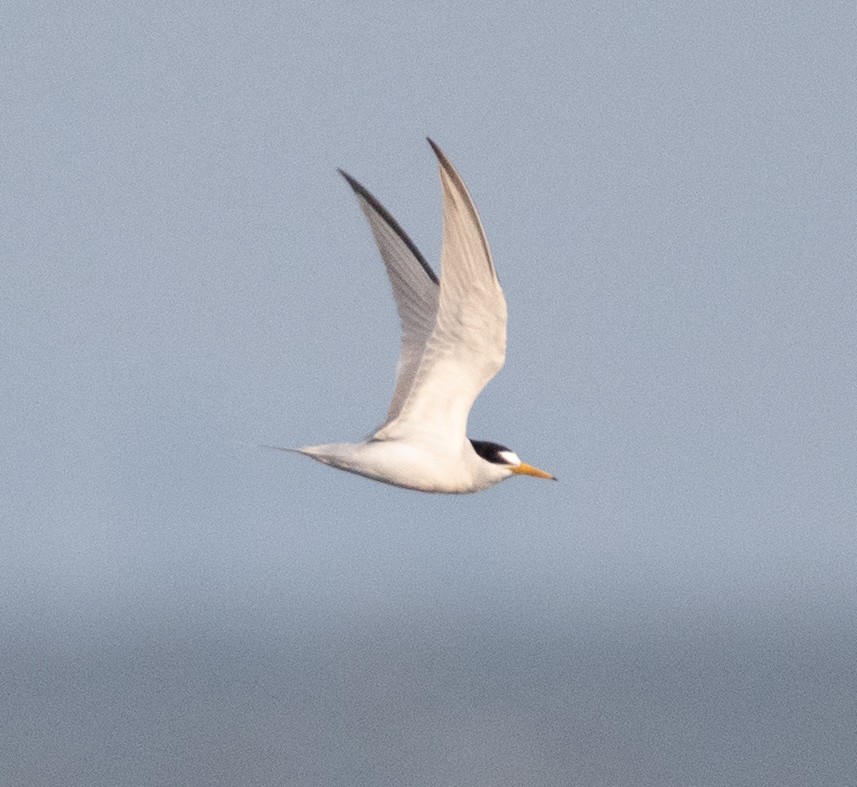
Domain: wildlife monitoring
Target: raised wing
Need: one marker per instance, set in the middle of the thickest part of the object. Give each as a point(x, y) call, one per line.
point(467, 345)
point(415, 288)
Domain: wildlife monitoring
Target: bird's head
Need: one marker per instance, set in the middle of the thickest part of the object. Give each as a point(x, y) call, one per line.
point(505, 462)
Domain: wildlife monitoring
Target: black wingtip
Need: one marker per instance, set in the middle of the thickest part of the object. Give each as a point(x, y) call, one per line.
point(355, 184)
point(441, 157)
point(361, 191)
point(446, 165)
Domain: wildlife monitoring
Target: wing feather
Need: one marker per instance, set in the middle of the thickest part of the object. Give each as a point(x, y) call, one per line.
point(415, 289)
point(467, 344)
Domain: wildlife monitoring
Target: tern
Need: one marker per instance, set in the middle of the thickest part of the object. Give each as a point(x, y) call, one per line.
point(453, 343)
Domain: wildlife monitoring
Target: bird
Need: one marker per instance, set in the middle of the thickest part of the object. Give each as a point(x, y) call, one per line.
point(453, 344)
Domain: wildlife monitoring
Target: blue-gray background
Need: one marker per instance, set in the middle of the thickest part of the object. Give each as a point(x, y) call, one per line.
point(669, 192)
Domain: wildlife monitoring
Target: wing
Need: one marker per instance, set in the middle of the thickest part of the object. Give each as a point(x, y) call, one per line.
point(467, 345)
point(415, 288)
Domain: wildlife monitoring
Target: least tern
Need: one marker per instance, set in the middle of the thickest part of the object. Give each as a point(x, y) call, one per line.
point(453, 343)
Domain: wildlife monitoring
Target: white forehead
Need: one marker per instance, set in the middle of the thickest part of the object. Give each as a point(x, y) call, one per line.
point(509, 456)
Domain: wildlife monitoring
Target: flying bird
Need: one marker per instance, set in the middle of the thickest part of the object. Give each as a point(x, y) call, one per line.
point(453, 343)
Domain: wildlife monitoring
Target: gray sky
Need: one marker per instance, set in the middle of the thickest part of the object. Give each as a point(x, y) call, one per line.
point(669, 192)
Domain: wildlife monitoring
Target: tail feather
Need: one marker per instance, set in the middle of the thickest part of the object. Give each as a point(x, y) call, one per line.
point(282, 448)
